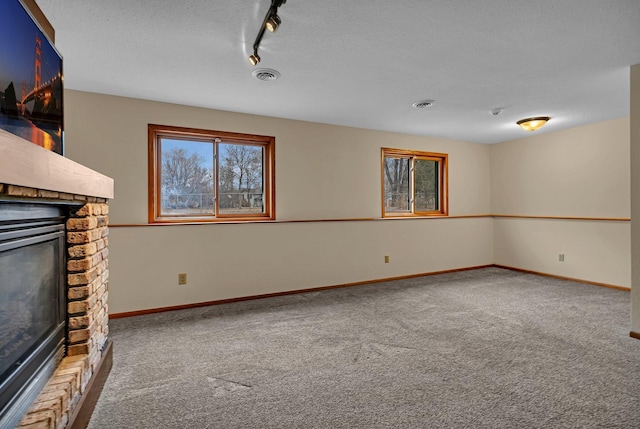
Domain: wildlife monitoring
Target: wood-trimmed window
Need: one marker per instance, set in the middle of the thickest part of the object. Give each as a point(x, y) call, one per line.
point(206, 176)
point(414, 183)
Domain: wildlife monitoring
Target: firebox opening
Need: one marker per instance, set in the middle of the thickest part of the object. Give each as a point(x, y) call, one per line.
point(32, 302)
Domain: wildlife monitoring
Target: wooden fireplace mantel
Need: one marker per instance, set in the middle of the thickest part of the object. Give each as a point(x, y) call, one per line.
point(23, 163)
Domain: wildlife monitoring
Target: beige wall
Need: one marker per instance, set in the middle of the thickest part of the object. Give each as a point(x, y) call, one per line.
point(228, 261)
point(580, 172)
point(328, 172)
point(635, 197)
point(594, 251)
point(322, 172)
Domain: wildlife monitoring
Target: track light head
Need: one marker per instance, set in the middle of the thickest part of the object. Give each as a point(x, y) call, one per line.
point(254, 59)
point(273, 22)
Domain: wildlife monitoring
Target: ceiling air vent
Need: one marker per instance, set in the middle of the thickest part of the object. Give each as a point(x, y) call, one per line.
point(266, 74)
point(423, 104)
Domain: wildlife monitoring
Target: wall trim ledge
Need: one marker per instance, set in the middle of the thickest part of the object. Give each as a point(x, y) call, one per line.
point(377, 219)
point(610, 286)
point(581, 218)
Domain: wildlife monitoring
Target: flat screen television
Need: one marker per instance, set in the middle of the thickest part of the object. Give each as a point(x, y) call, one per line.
point(30, 79)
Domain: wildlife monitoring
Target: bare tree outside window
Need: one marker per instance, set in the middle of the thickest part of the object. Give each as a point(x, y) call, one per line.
point(206, 176)
point(241, 178)
point(426, 185)
point(414, 183)
point(396, 184)
point(187, 177)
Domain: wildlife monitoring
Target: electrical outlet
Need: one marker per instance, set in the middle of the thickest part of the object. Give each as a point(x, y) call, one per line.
point(561, 257)
point(387, 259)
point(182, 278)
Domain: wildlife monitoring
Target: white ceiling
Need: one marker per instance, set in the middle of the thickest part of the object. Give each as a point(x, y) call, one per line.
point(362, 63)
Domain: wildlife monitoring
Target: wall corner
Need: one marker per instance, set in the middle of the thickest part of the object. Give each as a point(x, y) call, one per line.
point(635, 196)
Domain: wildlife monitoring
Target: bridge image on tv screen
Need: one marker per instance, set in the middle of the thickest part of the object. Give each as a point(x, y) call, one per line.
point(30, 79)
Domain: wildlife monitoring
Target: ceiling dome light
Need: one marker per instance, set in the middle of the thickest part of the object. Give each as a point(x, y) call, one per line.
point(532, 124)
point(254, 59)
point(273, 23)
point(423, 104)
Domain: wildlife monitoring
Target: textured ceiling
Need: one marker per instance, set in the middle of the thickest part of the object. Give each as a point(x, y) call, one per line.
point(362, 63)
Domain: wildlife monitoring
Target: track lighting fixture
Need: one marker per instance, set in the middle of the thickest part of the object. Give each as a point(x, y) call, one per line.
point(254, 59)
point(271, 22)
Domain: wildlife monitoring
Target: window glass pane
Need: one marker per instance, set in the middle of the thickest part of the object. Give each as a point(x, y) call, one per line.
point(396, 184)
point(426, 185)
point(187, 177)
point(240, 179)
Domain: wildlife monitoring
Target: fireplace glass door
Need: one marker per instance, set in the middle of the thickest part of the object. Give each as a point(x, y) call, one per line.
point(32, 300)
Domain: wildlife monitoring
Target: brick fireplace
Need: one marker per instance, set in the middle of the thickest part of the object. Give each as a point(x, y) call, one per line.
point(32, 175)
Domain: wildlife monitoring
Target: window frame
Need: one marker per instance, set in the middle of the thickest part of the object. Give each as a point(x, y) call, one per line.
point(443, 178)
point(156, 132)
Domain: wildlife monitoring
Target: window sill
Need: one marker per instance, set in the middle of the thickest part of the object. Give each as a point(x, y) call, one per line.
point(412, 216)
